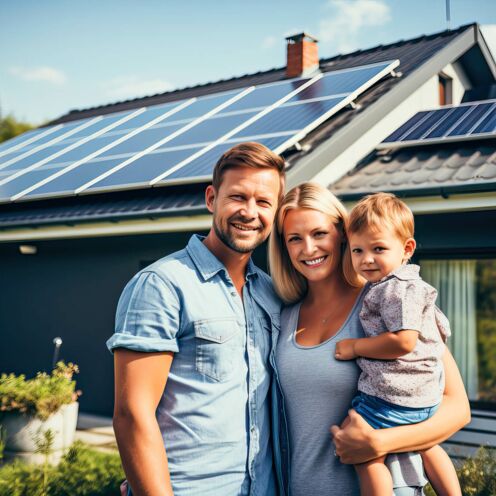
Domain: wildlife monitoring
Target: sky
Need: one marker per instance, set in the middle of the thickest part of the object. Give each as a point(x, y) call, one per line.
point(59, 55)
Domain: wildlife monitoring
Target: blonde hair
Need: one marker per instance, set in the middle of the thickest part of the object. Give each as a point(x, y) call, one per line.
point(288, 282)
point(382, 210)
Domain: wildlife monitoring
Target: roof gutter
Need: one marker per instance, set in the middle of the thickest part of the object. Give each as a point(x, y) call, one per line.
point(111, 217)
point(310, 165)
point(99, 229)
point(437, 203)
point(443, 191)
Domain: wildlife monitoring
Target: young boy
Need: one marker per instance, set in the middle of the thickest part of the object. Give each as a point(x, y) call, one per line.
point(402, 379)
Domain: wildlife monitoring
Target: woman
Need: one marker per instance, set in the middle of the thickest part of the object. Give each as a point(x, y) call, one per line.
point(324, 297)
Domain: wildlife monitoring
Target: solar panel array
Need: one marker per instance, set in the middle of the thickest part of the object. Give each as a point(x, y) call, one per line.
point(177, 142)
point(468, 121)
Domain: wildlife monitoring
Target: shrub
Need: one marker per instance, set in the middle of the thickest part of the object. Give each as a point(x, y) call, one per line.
point(42, 395)
point(82, 472)
point(477, 475)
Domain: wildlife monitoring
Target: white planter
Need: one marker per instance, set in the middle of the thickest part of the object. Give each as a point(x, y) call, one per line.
point(22, 430)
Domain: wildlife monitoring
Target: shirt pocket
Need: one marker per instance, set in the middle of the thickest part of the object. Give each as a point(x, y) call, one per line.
point(218, 347)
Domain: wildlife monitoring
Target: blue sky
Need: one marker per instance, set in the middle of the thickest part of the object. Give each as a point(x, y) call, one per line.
point(59, 55)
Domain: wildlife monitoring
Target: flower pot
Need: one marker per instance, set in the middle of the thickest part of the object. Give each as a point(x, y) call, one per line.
point(23, 429)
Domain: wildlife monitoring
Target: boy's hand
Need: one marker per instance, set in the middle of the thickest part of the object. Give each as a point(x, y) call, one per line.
point(345, 350)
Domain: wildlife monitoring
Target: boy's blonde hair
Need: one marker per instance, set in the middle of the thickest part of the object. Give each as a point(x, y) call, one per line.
point(288, 282)
point(382, 210)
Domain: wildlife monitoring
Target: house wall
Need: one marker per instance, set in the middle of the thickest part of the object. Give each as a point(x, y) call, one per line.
point(425, 97)
point(70, 289)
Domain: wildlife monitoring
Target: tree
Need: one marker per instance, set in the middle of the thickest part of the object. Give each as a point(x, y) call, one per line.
point(10, 127)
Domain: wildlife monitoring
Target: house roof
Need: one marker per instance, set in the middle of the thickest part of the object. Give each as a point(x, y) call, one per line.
point(412, 54)
point(423, 170)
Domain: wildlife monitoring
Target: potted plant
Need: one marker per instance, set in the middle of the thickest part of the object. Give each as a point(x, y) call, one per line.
point(33, 410)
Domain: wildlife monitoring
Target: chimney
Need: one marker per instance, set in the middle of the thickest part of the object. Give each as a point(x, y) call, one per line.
point(302, 55)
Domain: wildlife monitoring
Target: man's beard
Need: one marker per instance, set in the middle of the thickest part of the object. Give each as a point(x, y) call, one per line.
point(232, 243)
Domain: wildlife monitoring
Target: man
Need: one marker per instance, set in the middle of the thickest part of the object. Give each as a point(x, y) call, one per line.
point(193, 335)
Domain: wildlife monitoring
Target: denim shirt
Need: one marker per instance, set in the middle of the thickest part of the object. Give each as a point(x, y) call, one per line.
point(214, 414)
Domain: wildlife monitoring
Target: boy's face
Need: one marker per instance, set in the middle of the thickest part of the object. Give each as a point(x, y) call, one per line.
point(377, 252)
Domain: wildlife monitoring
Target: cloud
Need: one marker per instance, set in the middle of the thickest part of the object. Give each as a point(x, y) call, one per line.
point(133, 87)
point(341, 28)
point(269, 42)
point(42, 73)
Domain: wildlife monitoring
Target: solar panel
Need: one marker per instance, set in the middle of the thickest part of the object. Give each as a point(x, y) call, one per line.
point(467, 121)
point(27, 138)
point(184, 146)
point(125, 147)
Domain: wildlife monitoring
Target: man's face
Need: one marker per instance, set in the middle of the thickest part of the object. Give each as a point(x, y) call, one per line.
point(244, 207)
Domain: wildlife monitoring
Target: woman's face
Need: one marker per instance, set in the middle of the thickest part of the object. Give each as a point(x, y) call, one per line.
point(313, 243)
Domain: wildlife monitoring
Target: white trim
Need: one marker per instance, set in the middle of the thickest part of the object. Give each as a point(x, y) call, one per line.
point(34, 138)
point(109, 146)
point(121, 228)
point(55, 140)
point(159, 143)
point(464, 202)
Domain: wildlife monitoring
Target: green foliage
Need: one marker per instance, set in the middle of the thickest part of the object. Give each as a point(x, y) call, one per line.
point(42, 395)
point(11, 127)
point(3, 436)
point(486, 328)
point(477, 475)
point(44, 443)
point(82, 472)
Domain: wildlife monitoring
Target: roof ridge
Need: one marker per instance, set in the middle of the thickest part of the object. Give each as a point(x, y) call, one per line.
point(322, 61)
point(419, 38)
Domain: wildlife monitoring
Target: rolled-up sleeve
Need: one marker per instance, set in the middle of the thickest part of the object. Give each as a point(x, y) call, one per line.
point(403, 305)
point(148, 316)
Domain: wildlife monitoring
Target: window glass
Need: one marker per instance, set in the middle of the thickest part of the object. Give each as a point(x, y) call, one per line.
point(467, 295)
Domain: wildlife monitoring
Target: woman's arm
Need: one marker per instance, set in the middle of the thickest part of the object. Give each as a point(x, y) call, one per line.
point(358, 442)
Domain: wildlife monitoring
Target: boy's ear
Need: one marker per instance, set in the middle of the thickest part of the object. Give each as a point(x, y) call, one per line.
point(210, 194)
point(409, 247)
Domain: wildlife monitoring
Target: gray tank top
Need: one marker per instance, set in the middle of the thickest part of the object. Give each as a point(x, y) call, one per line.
point(318, 390)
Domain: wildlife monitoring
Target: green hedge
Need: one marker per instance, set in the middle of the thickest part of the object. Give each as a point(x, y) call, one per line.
point(477, 475)
point(82, 472)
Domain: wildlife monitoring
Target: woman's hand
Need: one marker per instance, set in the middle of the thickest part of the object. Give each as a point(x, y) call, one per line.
point(355, 442)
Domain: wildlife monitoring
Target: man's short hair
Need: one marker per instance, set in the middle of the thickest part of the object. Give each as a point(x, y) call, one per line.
point(382, 210)
point(249, 154)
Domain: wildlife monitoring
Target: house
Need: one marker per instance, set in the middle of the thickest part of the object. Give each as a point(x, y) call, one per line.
point(66, 255)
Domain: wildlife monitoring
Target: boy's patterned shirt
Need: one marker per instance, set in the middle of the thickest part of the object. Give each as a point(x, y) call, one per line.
point(403, 301)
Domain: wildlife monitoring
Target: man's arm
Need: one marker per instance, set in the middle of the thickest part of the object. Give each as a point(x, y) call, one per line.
point(140, 380)
point(358, 442)
point(385, 346)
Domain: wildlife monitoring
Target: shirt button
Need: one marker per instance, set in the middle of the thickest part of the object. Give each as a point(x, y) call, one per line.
point(233, 293)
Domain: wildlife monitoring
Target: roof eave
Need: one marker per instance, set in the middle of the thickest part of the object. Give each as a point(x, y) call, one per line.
point(486, 52)
point(111, 217)
point(443, 191)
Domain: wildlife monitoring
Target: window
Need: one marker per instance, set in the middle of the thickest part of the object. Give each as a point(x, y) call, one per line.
point(467, 295)
point(445, 90)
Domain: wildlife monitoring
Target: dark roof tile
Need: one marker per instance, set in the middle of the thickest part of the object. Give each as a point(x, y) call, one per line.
point(422, 169)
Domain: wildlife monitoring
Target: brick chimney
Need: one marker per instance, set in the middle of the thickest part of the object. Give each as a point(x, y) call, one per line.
point(302, 55)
